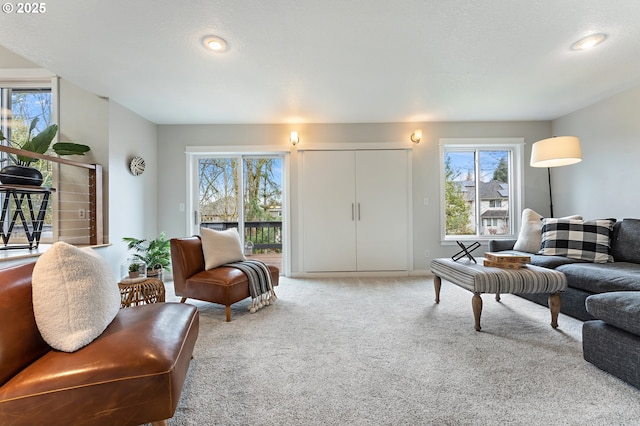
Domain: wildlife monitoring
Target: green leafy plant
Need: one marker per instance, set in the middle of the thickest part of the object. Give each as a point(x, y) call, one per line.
point(152, 252)
point(134, 267)
point(40, 144)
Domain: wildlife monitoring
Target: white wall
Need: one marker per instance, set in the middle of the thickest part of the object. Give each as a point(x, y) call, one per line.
point(605, 184)
point(172, 141)
point(115, 134)
point(84, 118)
point(133, 200)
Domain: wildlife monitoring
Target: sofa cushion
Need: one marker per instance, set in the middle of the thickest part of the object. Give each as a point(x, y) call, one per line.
point(75, 296)
point(602, 277)
point(620, 309)
point(625, 244)
point(577, 239)
point(530, 236)
point(551, 262)
point(220, 247)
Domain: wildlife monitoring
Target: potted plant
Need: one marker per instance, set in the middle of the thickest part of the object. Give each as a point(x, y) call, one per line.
point(21, 173)
point(155, 253)
point(134, 270)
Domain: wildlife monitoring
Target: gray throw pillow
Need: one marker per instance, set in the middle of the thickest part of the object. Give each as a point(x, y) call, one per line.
point(625, 246)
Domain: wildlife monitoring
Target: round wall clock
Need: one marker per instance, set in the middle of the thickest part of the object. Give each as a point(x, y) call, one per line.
point(137, 165)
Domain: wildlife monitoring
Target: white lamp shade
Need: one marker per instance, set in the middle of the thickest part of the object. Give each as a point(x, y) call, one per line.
point(556, 151)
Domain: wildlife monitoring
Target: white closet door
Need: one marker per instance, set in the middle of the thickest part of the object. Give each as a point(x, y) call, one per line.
point(328, 199)
point(381, 207)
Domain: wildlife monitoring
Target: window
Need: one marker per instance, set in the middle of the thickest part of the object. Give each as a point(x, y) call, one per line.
point(481, 188)
point(19, 107)
point(74, 212)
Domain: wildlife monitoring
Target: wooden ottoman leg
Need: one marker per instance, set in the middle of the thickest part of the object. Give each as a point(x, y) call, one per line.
point(437, 283)
point(555, 303)
point(476, 303)
point(227, 310)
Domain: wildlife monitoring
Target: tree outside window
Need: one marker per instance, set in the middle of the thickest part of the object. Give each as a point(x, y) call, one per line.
point(19, 108)
point(477, 196)
point(259, 207)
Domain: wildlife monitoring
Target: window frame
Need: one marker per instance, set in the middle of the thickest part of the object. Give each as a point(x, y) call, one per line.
point(516, 184)
point(32, 80)
point(195, 153)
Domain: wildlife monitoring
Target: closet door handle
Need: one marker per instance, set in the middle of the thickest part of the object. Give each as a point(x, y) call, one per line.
point(358, 211)
point(352, 212)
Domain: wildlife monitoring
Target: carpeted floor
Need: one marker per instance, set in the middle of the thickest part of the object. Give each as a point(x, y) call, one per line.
point(379, 351)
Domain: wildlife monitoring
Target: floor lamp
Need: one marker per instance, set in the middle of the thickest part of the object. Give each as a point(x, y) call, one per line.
point(555, 152)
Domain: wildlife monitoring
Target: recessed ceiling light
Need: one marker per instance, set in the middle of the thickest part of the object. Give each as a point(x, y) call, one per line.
point(588, 42)
point(215, 43)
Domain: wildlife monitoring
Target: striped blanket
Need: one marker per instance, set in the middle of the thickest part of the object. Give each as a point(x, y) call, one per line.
point(260, 284)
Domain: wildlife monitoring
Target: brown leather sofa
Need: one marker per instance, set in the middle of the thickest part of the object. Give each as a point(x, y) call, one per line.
point(223, 285)
point(131, 374)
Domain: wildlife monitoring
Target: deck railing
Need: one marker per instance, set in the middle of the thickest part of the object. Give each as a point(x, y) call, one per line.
point(77, 205)
point(263, 235)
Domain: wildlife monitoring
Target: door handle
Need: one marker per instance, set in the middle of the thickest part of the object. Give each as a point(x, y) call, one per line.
point(352, 212)
point(358, 211)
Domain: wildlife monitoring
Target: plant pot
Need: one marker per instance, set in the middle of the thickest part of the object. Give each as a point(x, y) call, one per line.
point(135, 274)
point(155, 272)
point(20, 175)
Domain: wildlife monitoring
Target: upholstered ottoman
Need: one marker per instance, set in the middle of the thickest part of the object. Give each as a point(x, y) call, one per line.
point(612, 341)
point(482, 279)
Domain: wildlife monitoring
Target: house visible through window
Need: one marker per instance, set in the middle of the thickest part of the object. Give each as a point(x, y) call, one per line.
point(479, 193)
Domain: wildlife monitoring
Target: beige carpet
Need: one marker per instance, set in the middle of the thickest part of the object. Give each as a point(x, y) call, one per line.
point(379, 351)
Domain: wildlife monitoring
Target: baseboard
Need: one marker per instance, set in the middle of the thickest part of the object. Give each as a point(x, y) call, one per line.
point(421, 273)
point(355, 274)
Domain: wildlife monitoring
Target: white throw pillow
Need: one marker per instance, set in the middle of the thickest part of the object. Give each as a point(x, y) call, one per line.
point(530, 237)
point(75, 296)
point(220, 247)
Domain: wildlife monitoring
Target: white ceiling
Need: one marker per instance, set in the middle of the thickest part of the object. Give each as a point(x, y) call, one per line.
point(336, 61)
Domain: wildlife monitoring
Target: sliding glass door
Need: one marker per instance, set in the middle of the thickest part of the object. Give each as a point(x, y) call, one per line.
point(243, 192)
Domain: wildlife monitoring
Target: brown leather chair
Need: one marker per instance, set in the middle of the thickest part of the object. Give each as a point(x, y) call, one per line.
point(131, 374)
point(223, 285)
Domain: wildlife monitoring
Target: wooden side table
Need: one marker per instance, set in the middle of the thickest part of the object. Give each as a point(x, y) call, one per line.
point(141, 291)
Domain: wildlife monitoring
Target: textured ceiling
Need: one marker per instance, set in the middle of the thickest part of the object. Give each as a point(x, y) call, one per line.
point(336, 61)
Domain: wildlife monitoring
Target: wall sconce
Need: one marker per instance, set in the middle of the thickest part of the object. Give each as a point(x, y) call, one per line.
point(294, 138)
point(416, 136)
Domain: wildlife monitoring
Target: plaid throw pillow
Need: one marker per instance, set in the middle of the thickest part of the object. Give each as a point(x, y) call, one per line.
point(583, 240)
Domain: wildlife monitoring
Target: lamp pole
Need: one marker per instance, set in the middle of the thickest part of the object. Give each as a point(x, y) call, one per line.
point(550, 196)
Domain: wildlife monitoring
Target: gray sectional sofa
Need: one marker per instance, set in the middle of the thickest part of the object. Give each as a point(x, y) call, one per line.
point(612, 342)
point(604, 295)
